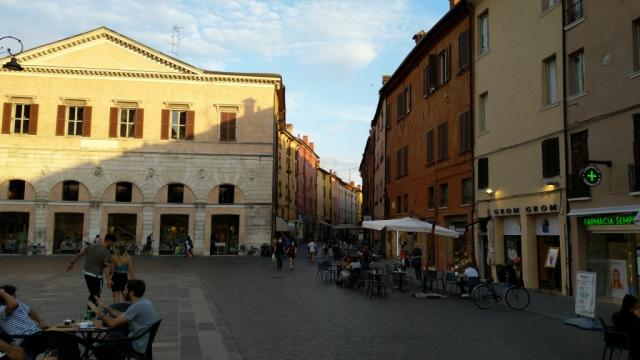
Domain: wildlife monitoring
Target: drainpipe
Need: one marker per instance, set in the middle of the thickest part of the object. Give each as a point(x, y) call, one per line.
point(567, 233)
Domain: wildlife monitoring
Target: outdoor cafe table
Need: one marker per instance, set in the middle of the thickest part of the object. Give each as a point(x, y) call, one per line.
point(88, 334)
point(398, 276)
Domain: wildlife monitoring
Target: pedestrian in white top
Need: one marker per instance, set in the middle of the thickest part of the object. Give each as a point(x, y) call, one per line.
point(312, 250)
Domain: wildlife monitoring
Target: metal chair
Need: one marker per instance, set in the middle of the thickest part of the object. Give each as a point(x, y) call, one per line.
point(614, 341)
point(430, 277)
point(152, 330)
point(450, 279)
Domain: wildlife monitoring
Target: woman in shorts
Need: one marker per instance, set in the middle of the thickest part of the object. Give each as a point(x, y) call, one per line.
point(122, 271)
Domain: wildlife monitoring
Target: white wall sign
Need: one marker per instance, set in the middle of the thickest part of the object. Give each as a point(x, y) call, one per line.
point(511, 225)
point(585, 294)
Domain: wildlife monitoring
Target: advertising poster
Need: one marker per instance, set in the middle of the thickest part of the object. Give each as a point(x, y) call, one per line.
point(586, 294)
point(618, 278)
point(552, 257)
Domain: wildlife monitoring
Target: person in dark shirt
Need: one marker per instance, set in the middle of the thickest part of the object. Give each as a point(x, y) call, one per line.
point(278, 252)
point(627, 320)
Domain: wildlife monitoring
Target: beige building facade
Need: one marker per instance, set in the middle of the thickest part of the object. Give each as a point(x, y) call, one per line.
point(101, 134)
point(519, 142)
point(603, 132)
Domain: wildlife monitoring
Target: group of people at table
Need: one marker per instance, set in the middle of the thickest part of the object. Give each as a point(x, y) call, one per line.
point(24, 334)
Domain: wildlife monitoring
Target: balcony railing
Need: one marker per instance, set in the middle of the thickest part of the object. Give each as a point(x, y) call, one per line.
point(634, 178)
point(577, 188)
point(574, 11)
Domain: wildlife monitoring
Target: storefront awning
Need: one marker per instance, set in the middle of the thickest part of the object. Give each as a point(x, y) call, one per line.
point(281, 225)
point(605, 210)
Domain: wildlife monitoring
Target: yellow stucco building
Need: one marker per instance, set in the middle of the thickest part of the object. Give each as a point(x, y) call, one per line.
point(287, 182)
point(519, 142)
point(102, 134)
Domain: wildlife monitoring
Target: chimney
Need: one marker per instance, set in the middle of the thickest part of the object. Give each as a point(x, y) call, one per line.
point(453, 3)
point(385, 79)
point(305, 139)
point(311, 145)
point(290, 128)
point(420, 35)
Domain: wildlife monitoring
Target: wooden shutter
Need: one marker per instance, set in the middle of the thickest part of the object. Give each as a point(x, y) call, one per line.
point(466, 137)
point(463, 50)
point(231, 126)
point(433, 72)
point(443, 145)
point(399, 111)
point(408, 100)
point(483, 173)
point(405, 160)
point(388, 115)
point(191, 123)
point(86, 121)
point(636, 139)
point(430, 148)
point(550, 157)
point(425, 75)
point(113, 122)
point(33, 119)
point(164, 124)
point(398, 163)
point(447, 65)
point(139, 127)
point(6, 118)
point(224, 126)
point(61, 120)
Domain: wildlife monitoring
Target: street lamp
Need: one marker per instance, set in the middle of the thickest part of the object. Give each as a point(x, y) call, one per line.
point(13, 63)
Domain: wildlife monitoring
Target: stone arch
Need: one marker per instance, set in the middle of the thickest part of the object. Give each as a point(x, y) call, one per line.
point(29, 190)
point(161, 194)
point(55, 194)
point(239, 196)
point(137, 196)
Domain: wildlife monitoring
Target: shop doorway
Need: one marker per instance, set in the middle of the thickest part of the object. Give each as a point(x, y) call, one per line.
point(173, 233)
point(224, 234)
point(14, 230)
point(123, 226)
point(549, 278)
point(67, 232)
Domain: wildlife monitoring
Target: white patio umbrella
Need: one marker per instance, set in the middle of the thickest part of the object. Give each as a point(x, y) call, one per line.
point(408, 224)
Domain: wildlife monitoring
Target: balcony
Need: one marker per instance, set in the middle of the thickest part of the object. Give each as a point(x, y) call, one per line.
point(574, 12)
point(577, 188)
point(634, 178)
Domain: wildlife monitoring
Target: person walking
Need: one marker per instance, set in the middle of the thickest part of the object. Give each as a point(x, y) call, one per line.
point(278, 251)
point(122, 272)
point(291, 254)
point(311, 246)
point(97, 266)
point(416, 262)
point(188, 247)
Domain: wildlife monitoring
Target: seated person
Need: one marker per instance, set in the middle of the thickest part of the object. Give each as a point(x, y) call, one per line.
point(16, 318)
point(10, 352)
point(469, 278)
point(627, 320)
point(138, 317)
point(345, 268)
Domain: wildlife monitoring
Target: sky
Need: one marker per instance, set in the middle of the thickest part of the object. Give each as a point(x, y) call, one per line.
point(331, 54)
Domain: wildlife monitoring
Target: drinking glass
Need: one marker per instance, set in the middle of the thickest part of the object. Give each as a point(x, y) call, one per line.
point(50, 354)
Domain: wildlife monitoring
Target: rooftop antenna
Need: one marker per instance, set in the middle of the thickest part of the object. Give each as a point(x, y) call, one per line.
point(175, 40)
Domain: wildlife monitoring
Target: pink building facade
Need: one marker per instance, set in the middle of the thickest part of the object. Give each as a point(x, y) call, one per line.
point(306, 170)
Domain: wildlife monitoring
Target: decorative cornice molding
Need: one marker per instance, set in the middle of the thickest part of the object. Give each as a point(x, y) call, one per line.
point(144, 75)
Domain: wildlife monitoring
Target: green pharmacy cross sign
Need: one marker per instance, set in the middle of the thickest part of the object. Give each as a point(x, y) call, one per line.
point(591, 175)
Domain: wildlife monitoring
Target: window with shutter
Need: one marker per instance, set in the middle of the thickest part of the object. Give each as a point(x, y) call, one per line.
point(178, 124)
point(467, 191)
point(387, 169)
point(463, 51)
point(164, 124)
point(400, 105)
point(405, 160)
point(387, 115)
point(405, 203)
point(433, 71)
point(398, 204)
point(75, 118)
point(443, 195)
point(466, 133)
point(127, 123)
point(6, 117)
point(550, 157)
point(483, 173)
point(431, 198)
point(407, 99)
point(227, 126)
point(425, 81)
point(21, 118)
point(443, 144)
point(86, 126)
point(483, 33)
point(430, 148)
point(398, 163)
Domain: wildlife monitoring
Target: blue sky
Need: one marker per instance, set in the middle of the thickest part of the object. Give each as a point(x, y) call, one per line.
point(331, 54)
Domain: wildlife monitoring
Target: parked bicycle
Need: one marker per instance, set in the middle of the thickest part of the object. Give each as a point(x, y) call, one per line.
point(134, 248)
point(487, 294)
point(36, 249)
point(250, 250)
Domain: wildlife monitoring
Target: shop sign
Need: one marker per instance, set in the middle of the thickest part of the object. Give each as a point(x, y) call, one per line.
point(605, 220)
point(585, 294)
point(591, 175)
point(536, 209)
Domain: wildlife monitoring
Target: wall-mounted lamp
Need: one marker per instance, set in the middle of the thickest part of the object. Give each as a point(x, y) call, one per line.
point(13, 63)
point(551, 182)
point(489, 191)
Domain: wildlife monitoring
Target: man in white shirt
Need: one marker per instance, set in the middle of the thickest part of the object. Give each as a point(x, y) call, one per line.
point(469, 279)
point(312, 250)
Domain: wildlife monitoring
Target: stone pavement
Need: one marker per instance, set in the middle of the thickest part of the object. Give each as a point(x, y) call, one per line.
point(241, 308)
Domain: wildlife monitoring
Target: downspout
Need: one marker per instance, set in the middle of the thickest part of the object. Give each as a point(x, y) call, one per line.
point(471, 12)
point(567, 233)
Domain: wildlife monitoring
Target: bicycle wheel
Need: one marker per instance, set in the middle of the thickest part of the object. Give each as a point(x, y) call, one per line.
point(517, 298)
point(483, 296)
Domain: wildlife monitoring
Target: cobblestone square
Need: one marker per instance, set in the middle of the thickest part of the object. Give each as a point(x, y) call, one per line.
point(241, 308)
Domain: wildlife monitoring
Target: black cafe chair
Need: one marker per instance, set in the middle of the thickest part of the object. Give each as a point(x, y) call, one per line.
point(614, 341)
point(152, 330)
